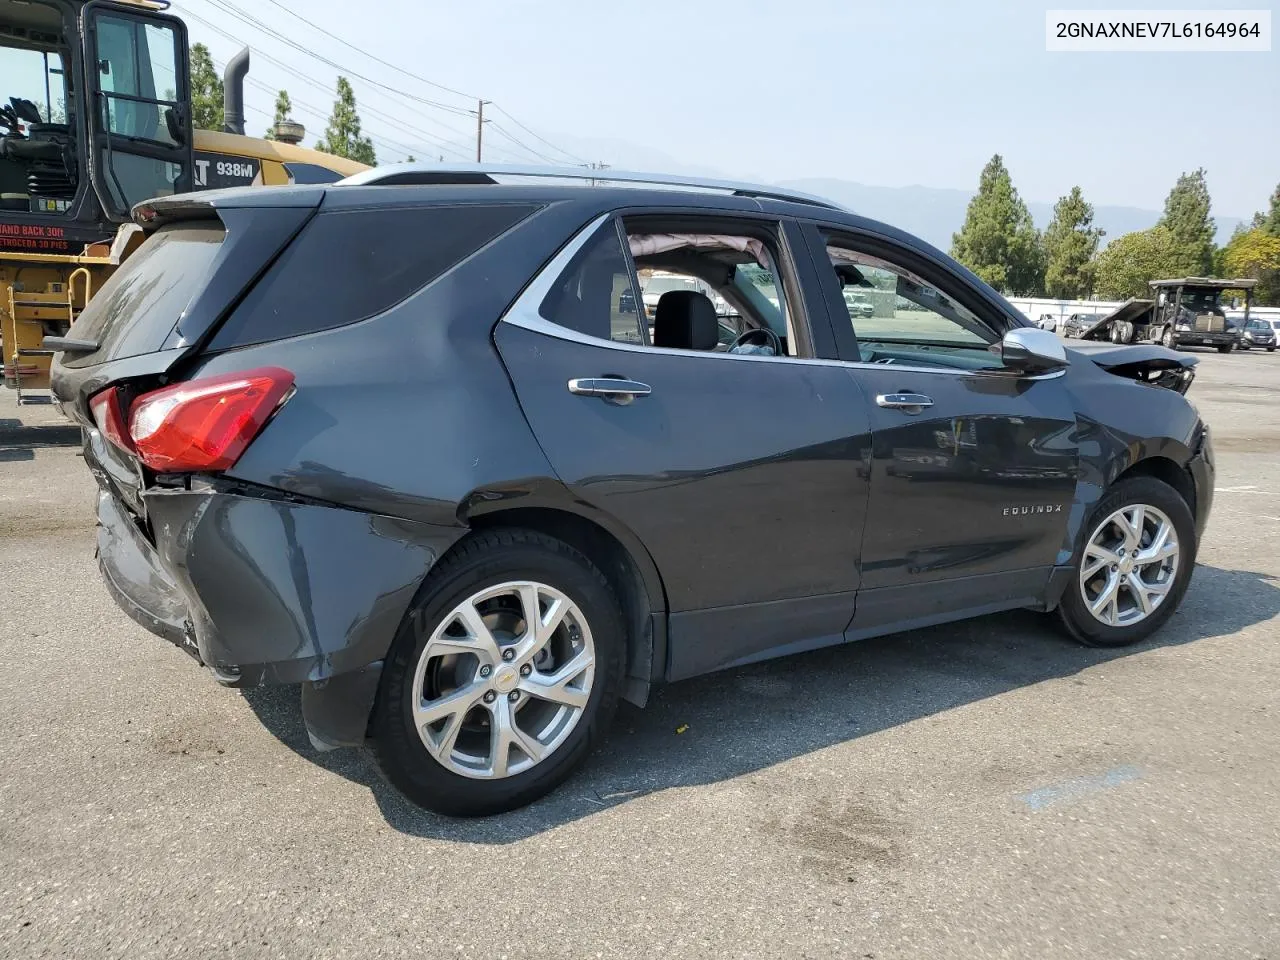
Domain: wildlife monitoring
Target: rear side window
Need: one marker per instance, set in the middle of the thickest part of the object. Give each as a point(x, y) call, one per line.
point(596, 296)
point(349, 265)
point(135, 309)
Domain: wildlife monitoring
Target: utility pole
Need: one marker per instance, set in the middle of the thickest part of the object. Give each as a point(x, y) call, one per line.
point(595, 165)
point(480, 129)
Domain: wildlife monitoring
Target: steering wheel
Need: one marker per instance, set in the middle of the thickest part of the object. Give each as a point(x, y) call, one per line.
point(771, 340)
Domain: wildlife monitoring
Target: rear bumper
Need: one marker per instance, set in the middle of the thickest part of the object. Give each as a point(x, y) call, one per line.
point(266, 591)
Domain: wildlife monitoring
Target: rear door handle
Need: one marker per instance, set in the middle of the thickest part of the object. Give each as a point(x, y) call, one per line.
point(906, 402)
point(613, 389)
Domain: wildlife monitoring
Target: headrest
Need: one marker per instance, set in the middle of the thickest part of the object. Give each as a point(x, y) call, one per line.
point(685, 320)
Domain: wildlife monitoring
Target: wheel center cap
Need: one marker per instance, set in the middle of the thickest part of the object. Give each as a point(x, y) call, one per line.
point(1126, 565)
point(506, 679)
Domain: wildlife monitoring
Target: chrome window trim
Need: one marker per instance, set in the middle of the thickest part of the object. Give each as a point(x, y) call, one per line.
point(524, 313)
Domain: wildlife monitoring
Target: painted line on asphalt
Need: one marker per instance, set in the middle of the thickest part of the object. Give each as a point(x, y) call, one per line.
point(1234, 489)
point(1080, 787)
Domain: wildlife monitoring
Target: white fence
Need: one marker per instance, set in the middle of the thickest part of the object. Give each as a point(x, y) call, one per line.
point(1033, 308)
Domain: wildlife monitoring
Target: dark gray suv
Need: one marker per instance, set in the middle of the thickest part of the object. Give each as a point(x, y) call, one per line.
point(399, 441)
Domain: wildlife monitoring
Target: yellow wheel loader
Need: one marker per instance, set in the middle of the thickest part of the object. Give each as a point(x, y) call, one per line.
point(95, 116)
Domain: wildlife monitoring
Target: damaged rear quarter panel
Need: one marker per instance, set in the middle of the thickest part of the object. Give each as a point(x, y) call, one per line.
point(289, 591)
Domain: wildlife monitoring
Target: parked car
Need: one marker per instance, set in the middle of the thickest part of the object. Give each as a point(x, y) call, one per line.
point(857, 304)
point(1078, 323)
point(1047, 321)
point(467, 505)
point(1258, 333)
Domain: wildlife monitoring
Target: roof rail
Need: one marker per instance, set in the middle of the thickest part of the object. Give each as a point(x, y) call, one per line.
point(425, 173)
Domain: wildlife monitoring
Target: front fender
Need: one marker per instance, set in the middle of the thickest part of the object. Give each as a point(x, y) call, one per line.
point(1119, 424)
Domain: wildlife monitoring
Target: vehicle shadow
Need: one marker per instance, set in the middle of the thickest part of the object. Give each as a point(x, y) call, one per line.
point(19, 441)
point(731, 723)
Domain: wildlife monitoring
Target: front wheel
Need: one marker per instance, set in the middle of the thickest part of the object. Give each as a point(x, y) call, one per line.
point(1134, 565)
point(504, 674)
point(1226, 348)
point(1170, 339)
point(1271, 349)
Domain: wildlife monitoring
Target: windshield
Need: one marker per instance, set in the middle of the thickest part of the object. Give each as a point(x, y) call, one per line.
point(36, 76)
point(1201, 301)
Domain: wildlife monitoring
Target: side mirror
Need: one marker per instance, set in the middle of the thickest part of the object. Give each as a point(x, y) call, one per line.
point(1028, 350)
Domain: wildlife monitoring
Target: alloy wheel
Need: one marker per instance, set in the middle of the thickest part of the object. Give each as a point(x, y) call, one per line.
point(503, 680)
point(1129, 566)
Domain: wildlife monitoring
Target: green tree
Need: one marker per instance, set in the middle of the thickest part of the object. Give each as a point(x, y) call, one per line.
point(1130, 261)
point(284, 113)
point(1271, 223)
point(999, 241)
point(1186, 217)
point(1256, 253)
point(342, 136)
point(206, 90)
point(1070, 244)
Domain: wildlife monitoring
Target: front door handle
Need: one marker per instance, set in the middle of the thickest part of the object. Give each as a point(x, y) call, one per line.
point(612, 389)
point(906, 402)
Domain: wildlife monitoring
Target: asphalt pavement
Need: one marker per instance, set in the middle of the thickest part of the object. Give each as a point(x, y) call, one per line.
point(986, 789)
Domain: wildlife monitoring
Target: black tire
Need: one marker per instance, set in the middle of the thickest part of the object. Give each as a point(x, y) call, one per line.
point(485, 559)
point(1226, 348)
point(1271, 349)
point(1072, 611)
point(1169, 338)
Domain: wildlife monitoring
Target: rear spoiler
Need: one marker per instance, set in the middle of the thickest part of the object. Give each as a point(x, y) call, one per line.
point(205, 205)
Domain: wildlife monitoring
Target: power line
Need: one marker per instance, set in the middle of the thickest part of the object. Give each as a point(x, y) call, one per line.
point(293, 71)
point(366, 108)
point(534, 153)
point(321, 114)
point(439, 86)
point(572, 156)
point(248, 19)
point(227, 6)
point(385, 63)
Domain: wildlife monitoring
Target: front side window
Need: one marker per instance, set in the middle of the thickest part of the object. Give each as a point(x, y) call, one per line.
point(899, 316)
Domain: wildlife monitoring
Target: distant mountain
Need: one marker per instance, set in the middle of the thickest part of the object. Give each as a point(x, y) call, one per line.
point(935, 213)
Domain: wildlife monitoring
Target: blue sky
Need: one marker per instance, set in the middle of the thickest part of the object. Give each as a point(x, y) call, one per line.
point(877, 92)
point(910, 92)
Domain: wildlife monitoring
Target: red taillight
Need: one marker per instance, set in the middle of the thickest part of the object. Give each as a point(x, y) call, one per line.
point(205, 424)
point(108, 414)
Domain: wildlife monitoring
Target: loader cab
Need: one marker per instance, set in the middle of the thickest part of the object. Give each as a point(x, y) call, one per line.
point(94, 117)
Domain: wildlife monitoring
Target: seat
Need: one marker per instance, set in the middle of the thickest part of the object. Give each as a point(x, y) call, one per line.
point(685, 320)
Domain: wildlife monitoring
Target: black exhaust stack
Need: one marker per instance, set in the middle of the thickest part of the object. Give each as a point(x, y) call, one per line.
point(233, 93)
